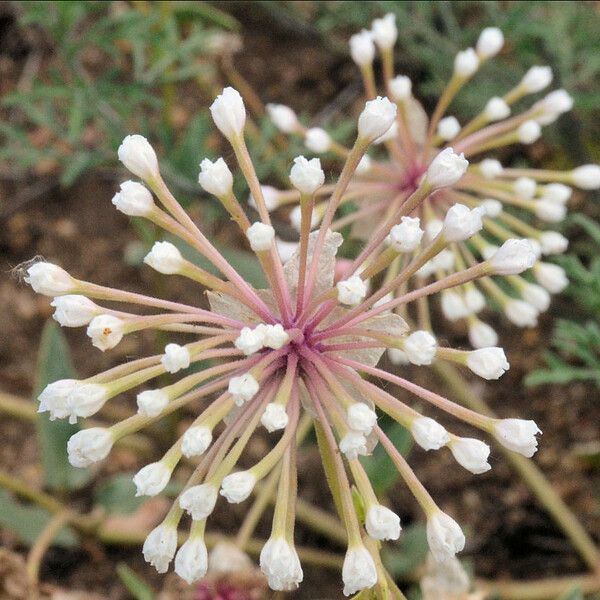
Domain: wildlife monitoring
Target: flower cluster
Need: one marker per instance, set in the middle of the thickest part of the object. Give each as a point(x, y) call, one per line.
point(303, 352)
point(477, 212)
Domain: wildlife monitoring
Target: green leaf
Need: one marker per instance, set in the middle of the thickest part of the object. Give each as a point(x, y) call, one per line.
point(117, 494)
point(404, 558)
point(380, 469)
point(135, 585)
point(29, 521)
point(574, 594)
point(54, 363)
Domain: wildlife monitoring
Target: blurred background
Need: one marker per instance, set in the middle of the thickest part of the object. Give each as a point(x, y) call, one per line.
point(76, 77)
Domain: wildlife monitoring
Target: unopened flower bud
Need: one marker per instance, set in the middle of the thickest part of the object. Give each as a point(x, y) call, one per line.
point(518, 435)
point(489, 363)
point(490, 42)
point(462, 222)
point(448, 128)
point(280, 564)
point(175, 358)
point(407, 235)
point(136, 153)
point(191, 561)
point(351, 291)
point(283, 117)
point(536, 79)
point(73, 310)
point(49, 280)
point(361, 418)
point(215, 177)
point(151, 402)
point(492, 207)
point(466, 63)
point(133, 199)
point(524, 187)
point(552, 277)
point(400, 88)
point(261, 236)
point(381, 523)
point(275, 417)
point(481, 335)
point(362, 48)
point(243, 388)
point(376, 118)
point(271, 196)
point(152, 479)
point(364, 165)
point(385, 31)
point(521, 313)
point(429, 434)
point(496, 109)
point(307, 176)
point(586, 177)
point(229, 113)
point(471, 454)
point(89, 446)
point(490, 168)
point(420, 348)
point(537, 296)
point(551, 212)
point(359, 571)
point(165, 258)
point(353, 444)
point(553, 105)
point(453, 306)
point(317, 140)
point(390, 134)
point(105, 331)
point(444, 536)
point(250, 340)
point(529, 132)
point(513, 257)
point(160, 546)
point(274, 336)
point(474, 300)
point(199, 500)
point(236, 487)
point(196, 441)
point(446, 168)
point(557, 192)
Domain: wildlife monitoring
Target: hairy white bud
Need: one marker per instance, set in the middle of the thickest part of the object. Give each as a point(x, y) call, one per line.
point(490, 42)
point(317, 140)
point(362, 48)
point(73, 310)
point(152, 479)
point(49, 279)
point(453, 306)
point(307, 176)
point(353, 444)
point(471, 454)
point(490, 168)
point(364, 165)
point(537, 296)
point(359, 571)
point(236, 487)
point(446, 168)
point(138, 156)
point(513, 257)
point(199, 500)
point(151, 402)
point(385, 31)
point(518, 435)
point(165, 258)
point(406, 235)
point(215, 177)
point(492, 207)
point(529, 132)
point(448, 128)
point(525, 187)
point(175, 358)
point(481, 335)
point(474, 300)
point(489, 363)
point(250, 340)
point(381, 523)
point(444, 536)
point(270, 195)
point(521, 313)
point(351, 291)
point(261, 236)
point(229, 113)
point(243, 388)
point(557, 192)
point(160, 546)
point(536, 79)
point(466, 63)
point(429, 434)
point(551, 212)
point(552, 277)
point(400, 88)
point(106, 331)
point(376, 118)
point(496, 109)
point(275, 417)
point(586, 177)
point(462, 222)
point(89, 446)
point(361, 418)
point(191, 562)
point(420, 348)
point(133, 199)
point(280, 564)
point(283, 117)
point(196, 441)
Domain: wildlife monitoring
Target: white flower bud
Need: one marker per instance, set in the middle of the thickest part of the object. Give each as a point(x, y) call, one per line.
point(513, 257)
point(385, 31)
point(283, 117)
point(133, 200)
point(73, 310)
point(160, 546)
point(136, 153)
point(521, 313)
point(175, 358)
point(426, 270)
point(536, 79)
point(362, 48)
point(397, 356)
point(446, 168)
point(250, 340)
point(462, 222)
point(215, 177)
point(433, 228)
point(552, 277)
point(492, 207)
point(286, 249)
point(382, 524)
point(429, 434)
point(359, 571)
point(55, 396)
point(351, 291)
point(317, 140)
point(151, 402)
point(490, 168)
point(296, 218)
point(49, 280)
point(191, 562)
point(453, 306)
point(243, 388)
point(471, 454)
point(496, 109)
point(489, 363)
point(551, 212)
point(376, 118)
point(196, 441)
point(525, 187)
point(270, 195)
point(275, 417)
point(152, 479)
point(85, 400)
point(444, 260)
point(448, 128)
point(557, 192)
point(89, 446)
point(444, 536)
point(390, 134)
point(553, 105)
point(274, 336)
point(474, 300)
point(490, 42)
point(261, 236)
point(236, 487)
point(420, 348)
point(353, 444)
point(518, 435)
point(481, 335)
point(361, 418)
point(529, 132)
point(400, 88)
point(105, 331)
point(199, 500)
point(466, 63)
point(537, 296)
point(307, 176)
point(280, 564)
point(586, 177)
point(229, 113)
point(407, 235)
point(488, 251)
point(165, 258)
point(226, 557)
point(364, 165)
